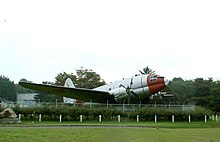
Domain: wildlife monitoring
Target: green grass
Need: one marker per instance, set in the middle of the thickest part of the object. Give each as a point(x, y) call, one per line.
point(148, 131)
point(109, 134)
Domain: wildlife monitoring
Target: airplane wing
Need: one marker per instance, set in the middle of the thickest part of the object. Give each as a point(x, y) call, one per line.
point(83, 94)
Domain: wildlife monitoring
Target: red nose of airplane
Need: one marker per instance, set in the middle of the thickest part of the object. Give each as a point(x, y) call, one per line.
point(156, 83)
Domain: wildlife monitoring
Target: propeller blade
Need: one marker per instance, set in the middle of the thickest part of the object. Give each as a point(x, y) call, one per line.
point(142, 72)
point(132, 92)
point(128, 91)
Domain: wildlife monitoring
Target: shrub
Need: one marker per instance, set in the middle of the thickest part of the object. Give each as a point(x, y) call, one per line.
point(145, 114)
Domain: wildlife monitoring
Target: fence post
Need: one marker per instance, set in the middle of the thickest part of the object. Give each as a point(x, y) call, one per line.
point(19, 118)
point(100, 118)
point(205, 118)
point(80, 118)
point(60, 118)
point(155, 118)
point(119, 118)
point(172, 118)
point(216, 117)
point(39, 117)
point(189, 118)
point(213, 117)
point(137, 118)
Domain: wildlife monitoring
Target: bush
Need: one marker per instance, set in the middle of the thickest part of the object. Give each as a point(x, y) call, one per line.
point(145, 114)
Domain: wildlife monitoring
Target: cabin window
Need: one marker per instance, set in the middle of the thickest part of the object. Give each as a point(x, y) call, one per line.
point(153, 78)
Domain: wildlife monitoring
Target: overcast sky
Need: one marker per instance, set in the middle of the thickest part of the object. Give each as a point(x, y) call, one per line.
point(114, 38)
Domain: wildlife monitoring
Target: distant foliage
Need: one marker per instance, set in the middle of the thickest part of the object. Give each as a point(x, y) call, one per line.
point(201, 92)
point(7, 89)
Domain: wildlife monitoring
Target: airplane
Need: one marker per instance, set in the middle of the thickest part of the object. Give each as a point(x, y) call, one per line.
point(133, 90)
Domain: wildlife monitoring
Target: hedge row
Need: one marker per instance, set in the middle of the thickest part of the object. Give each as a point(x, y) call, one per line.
point(148, 114)
point(145, 114)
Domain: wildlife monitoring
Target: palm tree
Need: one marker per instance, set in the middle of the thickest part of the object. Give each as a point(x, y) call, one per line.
point(147, 70)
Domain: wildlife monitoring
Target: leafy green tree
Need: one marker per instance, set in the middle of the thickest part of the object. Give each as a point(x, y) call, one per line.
point(84, 78)
point(202, 89)
point(7, 89)
point(87, 78)
point(177, 87)
point(214, 97)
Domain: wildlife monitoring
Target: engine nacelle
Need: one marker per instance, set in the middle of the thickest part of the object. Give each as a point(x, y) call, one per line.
point(120, 94)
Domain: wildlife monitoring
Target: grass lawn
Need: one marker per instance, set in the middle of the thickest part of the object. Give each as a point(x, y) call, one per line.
point(109, 134)
point(158, 132)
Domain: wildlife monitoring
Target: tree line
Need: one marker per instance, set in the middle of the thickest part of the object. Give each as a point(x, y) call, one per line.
point(199, 91)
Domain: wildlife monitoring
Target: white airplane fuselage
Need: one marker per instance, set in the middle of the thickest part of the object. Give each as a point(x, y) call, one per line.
point(138, 87)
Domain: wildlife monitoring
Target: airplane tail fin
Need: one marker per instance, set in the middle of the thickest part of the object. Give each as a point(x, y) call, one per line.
point(69, 83)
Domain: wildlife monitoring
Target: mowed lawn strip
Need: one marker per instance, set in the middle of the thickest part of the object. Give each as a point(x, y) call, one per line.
point(109, 134)
point(111, 131)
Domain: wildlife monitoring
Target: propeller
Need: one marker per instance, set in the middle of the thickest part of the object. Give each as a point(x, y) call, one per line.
point(129, 91)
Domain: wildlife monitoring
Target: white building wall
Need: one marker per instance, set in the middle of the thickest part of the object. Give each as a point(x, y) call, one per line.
point(26, 99)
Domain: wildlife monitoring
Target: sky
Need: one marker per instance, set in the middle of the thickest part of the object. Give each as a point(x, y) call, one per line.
point(115, 38)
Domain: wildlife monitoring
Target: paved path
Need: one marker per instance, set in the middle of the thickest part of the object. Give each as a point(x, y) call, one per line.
point(75, 126)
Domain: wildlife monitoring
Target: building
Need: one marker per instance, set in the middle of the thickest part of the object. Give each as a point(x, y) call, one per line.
point(26, 99)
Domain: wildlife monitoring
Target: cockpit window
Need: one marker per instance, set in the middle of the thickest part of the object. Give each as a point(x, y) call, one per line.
point(153, 78)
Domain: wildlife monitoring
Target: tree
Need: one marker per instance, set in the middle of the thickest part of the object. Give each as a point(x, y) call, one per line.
point(177, 88)
point(202, 87)
point(181, 89)
point(7, 89)
point(87, 78)
point(201, 91)
point(214, 97)
point(147, 70)
point(84, 78)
